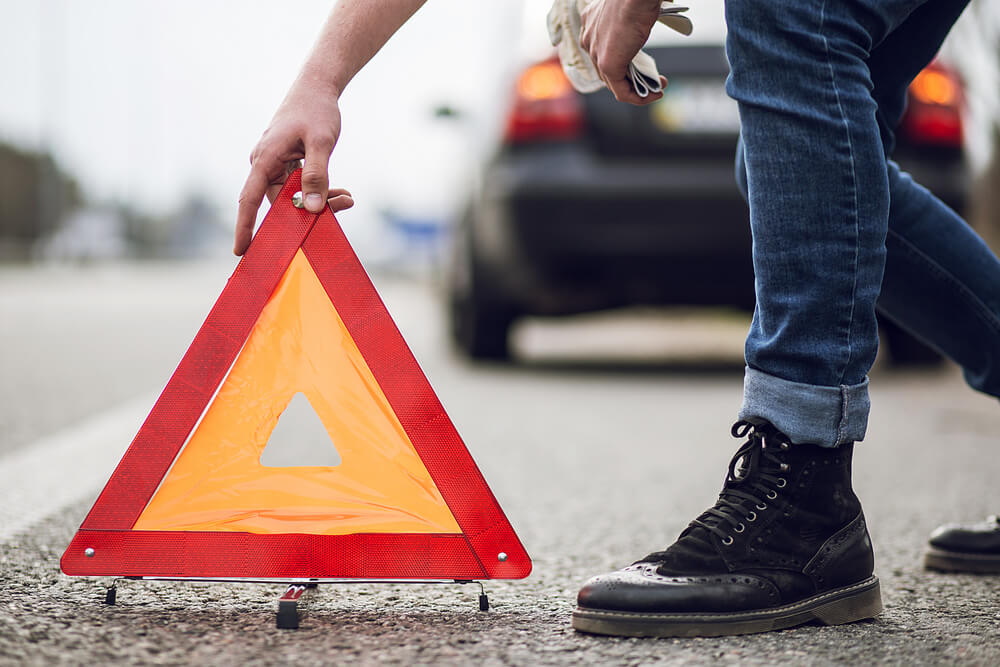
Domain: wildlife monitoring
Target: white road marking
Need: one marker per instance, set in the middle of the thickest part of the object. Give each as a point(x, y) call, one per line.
point(41, 478)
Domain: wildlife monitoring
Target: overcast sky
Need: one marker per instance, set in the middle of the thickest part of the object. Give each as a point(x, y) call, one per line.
point(144, 101)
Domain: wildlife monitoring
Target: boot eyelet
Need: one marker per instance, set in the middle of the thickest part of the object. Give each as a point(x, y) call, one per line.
point(752, 516)
point(771, 495)
point(740, 528)
point(785, 467)
point(761, 507)
point(727, 540)
point(782, 483)
point(785, 446)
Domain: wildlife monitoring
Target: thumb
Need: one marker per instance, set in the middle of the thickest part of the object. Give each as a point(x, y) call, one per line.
point(315, 180)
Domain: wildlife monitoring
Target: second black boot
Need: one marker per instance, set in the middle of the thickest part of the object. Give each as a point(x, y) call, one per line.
point(785, 544)
point(971, 547)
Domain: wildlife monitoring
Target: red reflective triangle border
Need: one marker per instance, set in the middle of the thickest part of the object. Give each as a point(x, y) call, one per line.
point(487, 548)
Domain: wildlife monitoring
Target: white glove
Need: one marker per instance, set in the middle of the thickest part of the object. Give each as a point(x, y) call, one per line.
point(564, 32)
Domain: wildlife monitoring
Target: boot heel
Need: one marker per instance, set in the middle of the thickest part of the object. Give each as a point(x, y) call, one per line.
point(859, 606)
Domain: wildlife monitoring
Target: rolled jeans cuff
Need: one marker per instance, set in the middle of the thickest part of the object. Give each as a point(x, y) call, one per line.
point(806, 413)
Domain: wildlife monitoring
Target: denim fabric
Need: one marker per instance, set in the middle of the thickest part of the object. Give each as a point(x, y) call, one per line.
point(821, 84)
point(822, 415)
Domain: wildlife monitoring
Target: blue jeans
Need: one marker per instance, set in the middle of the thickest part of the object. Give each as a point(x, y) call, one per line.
point(838, 229)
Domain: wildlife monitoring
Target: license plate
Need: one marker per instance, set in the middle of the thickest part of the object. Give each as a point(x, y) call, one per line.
point(695, 107)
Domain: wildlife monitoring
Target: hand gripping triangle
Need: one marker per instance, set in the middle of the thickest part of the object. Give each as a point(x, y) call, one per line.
point(441, 521)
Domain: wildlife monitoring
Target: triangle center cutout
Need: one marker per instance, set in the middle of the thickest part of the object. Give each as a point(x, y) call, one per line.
point(300, 439)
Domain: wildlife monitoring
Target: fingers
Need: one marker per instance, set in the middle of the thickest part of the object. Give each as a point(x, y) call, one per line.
point(616, 79)
point(624, 92)
point(315, 179)
point(268, 174)
point(339, 199)
point(612, 34)
point(652, 97)
point(250, 199)
point(273, 190)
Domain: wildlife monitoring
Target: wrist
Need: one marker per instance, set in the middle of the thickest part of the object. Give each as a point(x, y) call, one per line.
point(321, 78)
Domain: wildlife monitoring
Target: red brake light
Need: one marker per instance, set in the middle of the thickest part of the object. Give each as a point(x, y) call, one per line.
point(935, 112)
point(545, 105)
point(936, 86)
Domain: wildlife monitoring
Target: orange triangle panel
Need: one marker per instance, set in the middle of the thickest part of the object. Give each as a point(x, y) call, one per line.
point(191, 496)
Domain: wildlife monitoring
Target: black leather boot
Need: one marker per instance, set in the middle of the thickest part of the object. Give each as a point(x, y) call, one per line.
point(966, 548)
point(785, 544)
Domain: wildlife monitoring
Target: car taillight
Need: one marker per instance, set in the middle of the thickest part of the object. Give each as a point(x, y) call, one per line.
point(934, 115)
point(545, 106)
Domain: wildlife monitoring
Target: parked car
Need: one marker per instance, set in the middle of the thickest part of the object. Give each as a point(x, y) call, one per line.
point(589, 203)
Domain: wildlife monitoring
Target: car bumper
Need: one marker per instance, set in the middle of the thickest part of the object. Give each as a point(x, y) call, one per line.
point(565, 232)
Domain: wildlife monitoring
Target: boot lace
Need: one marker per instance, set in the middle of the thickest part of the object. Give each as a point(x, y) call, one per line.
point(754, 478)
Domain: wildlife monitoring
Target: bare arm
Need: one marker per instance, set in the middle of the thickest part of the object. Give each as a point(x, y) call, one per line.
point(307, 124)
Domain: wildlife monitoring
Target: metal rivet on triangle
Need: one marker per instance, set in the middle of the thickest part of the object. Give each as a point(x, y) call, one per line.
point(298, 201)
point(501, 556)
point(89, 552)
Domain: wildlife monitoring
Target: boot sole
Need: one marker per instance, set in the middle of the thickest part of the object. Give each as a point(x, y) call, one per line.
point(956, 561)
point(842, 605)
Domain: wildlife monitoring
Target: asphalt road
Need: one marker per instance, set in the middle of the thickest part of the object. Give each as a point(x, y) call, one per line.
point(601, 445)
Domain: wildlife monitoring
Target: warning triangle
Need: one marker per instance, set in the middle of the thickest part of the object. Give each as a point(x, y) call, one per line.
point(298, 347)
point(300, 439)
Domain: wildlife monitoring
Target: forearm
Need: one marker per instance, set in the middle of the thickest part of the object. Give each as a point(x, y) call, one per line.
point(353, 33)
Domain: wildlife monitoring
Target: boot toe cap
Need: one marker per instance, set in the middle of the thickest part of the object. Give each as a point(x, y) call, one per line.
point(981, 538)
point(640, 589)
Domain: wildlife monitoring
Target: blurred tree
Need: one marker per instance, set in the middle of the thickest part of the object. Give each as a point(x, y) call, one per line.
point(35, 195)
point(145, 234)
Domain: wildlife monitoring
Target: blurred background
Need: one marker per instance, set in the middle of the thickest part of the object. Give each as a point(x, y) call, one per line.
point(125, 129)
point(595, 254)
